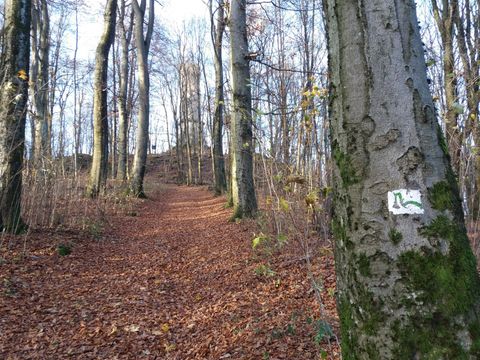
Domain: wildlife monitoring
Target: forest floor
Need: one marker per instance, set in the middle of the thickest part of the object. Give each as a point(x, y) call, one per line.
point(172, 280)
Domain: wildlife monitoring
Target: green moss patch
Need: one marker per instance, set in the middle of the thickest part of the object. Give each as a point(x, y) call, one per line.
point(440, 196)
point(349, 340)
point(339, 232)
point(344, 163)
point(442, 142)
point(427, 339)
point(447, 286)
point(450, 282)
point(363, 264)
point(395, 236)
point(370, 317)
point(372, 314)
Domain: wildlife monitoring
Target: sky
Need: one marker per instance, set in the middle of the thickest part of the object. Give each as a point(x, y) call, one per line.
point(172, 13)
point(177, 11)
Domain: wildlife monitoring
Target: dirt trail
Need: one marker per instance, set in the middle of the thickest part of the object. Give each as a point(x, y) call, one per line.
point(177, 281)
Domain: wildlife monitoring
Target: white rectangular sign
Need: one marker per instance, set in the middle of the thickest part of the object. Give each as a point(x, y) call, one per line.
point(405, 201)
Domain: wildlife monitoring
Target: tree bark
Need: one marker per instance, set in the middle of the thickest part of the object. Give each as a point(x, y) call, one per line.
point(52, 98)
point(469, 52)
point(217, 141)
point(243, 191)
point(99, 169)
point(178, 140)
point(444, 18)
point(407, 281)
point(77, 123)
point(188, 137)
point(40, 80)
point(143, 46)
point(199, 179)
point(14, 67)
point(125, 38)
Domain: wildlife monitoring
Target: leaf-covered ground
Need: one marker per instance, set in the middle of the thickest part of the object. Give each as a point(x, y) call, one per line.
point(172, 280)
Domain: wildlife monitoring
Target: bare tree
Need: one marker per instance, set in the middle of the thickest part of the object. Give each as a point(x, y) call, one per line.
point(217, 31)
point(243, 190)
point(98, 172)
point(39, 80)
point(123, 116)
point(444, 16)
point(143, 45)
point(467, 22)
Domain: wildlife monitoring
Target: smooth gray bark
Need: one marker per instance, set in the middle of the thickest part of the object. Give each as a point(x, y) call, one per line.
point(98, 172)
point(243, 191)
point(123, 116)
point(14, 67)
point(40, 80)
point(143, 45)
point(407, 284)
point(217, 31)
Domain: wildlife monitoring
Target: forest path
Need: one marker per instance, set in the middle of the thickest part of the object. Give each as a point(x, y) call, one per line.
point(177, 281)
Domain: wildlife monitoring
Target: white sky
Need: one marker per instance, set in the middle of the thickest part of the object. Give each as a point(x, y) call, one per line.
point(172, 14)
point(176, 11)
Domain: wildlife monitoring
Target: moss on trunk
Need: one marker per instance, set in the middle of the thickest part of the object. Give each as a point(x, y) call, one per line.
point(407, 283)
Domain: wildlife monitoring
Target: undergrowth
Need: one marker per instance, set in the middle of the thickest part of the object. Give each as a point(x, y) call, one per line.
point(295, 220)
point(54, 201)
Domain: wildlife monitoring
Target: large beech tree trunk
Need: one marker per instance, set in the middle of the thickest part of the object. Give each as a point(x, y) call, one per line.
point(217, 39)
point(243, 191)
point(98, 172)
point(407, 284)
point(14, 67)
point(143, 46)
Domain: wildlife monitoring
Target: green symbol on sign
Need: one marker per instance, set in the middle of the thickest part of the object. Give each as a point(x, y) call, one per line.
point(403, 203)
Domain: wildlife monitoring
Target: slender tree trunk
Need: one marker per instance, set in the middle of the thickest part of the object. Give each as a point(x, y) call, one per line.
point(165, 111)
point(217, 141)
point(40, 80)
point(186, 118)
point(76, 120)
point(200, 135)
point(14, 67)
point(131, 101)
point(125, 38)
point(243, 190)
point(98, 172)
point(282, 91)
point(143, 46)
point(445, 22)
point(181, 123)
point(54, 80)
point(209, 122)
point(178, 141)
point(114, 130)
point(469, 51)
point(406, 277)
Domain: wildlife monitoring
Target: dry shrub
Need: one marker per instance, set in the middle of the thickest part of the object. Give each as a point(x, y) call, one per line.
point(54, 198)
point(295, 226)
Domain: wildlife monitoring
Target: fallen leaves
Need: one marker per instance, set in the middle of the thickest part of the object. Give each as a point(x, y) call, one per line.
point(165, 328)
point(132, 328)
point(113, 331)
point(167, 285)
